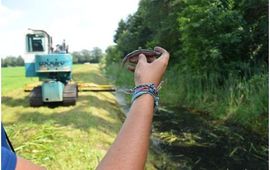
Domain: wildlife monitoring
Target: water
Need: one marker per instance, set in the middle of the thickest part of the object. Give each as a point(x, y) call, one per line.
point(185, 140)
point(192, 141)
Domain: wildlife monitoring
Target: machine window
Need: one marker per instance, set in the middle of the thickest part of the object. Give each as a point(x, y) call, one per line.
point(35, 43)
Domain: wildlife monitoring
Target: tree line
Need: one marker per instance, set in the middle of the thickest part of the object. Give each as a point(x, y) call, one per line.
point(79, 57)
point(87, 56)
point(203, 36)
point(219, 55)
point(11, 61)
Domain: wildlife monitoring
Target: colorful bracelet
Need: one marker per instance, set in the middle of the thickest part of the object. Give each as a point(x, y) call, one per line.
point(148, 88)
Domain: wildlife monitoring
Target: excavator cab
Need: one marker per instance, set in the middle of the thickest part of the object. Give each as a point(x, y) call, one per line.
point(37, 42)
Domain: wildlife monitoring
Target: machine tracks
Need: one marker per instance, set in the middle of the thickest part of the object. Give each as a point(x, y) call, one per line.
point(70, 96)
point(36, 97)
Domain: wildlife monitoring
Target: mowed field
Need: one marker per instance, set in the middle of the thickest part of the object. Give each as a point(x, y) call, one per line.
point(74, 137)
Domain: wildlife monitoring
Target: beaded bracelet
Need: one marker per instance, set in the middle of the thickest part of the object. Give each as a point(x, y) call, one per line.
point(148, 88)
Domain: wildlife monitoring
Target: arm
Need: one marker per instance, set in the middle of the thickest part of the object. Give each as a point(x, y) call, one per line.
point(23, 164)
point(129, 151)
point(10, 161)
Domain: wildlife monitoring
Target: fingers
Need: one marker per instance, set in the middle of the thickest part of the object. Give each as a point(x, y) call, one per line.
point(133, 62)
point(149, 59)
point(131, 68)
point(142, 58)
point(133, 59)
point(164, 54)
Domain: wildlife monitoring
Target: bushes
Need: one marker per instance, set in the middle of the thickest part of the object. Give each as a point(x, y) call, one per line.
point(239, 100)
point(219, 54)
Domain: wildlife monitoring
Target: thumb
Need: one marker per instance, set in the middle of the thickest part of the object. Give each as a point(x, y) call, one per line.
point(142, 58)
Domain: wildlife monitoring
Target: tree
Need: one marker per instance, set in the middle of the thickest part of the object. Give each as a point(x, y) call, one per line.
point(154, 23)
point(218, 36)
point(113, 55)
point(3, 64)
point(20, 61)
point(86, 56)
point(96, 55)
point(203, 36)
point(75, 57)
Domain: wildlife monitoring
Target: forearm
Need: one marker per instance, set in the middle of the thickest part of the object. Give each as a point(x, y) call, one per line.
point(130, 148)
point(23, 164)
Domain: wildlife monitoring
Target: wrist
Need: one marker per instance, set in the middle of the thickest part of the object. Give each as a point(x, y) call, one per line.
point(146, 103)
point(146, 98)
point(148, 89)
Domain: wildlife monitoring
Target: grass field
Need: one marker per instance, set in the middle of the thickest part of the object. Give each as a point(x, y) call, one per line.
point(74, 137)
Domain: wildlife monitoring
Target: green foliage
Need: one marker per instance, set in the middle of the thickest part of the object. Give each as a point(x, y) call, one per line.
point(119, 75)
point(239, 98)
point(209, 32)
point(84, 56)
point(216, 37)
point(12, 61)
point(113, 55)
point(219, 54)
point(153, 24)
point(202, 36)
point(132, 34)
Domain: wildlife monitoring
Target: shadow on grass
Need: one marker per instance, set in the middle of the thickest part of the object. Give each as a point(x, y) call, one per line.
point(83, 116)
point(13, 102)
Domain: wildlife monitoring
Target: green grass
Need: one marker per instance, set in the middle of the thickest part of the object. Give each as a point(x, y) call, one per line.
point(238, 100)
point(74, 137)
point(14, 78)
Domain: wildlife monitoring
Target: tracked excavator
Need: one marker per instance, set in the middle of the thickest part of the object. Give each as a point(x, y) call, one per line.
point(53, 67)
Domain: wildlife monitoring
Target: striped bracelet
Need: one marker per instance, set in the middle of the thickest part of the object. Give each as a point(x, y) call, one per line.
point(148, 88)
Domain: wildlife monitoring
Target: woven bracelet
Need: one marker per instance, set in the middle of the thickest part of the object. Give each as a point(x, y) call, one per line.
point(148, 88)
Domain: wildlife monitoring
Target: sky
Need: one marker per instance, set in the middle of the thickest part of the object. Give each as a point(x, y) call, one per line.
point(84, 24)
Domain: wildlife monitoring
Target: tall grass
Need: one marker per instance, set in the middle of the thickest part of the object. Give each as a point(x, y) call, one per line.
point(119, 75)
point(237, 99)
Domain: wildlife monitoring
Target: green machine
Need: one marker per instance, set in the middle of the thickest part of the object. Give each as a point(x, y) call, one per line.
point(52, 67)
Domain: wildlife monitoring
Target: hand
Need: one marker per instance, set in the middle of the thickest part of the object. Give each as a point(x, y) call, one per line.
point(151, 72)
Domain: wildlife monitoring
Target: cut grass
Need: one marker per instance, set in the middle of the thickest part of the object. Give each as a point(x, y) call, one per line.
point(74, 137)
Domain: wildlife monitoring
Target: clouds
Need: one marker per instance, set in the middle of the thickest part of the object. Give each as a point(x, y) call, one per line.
point(83, 23)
